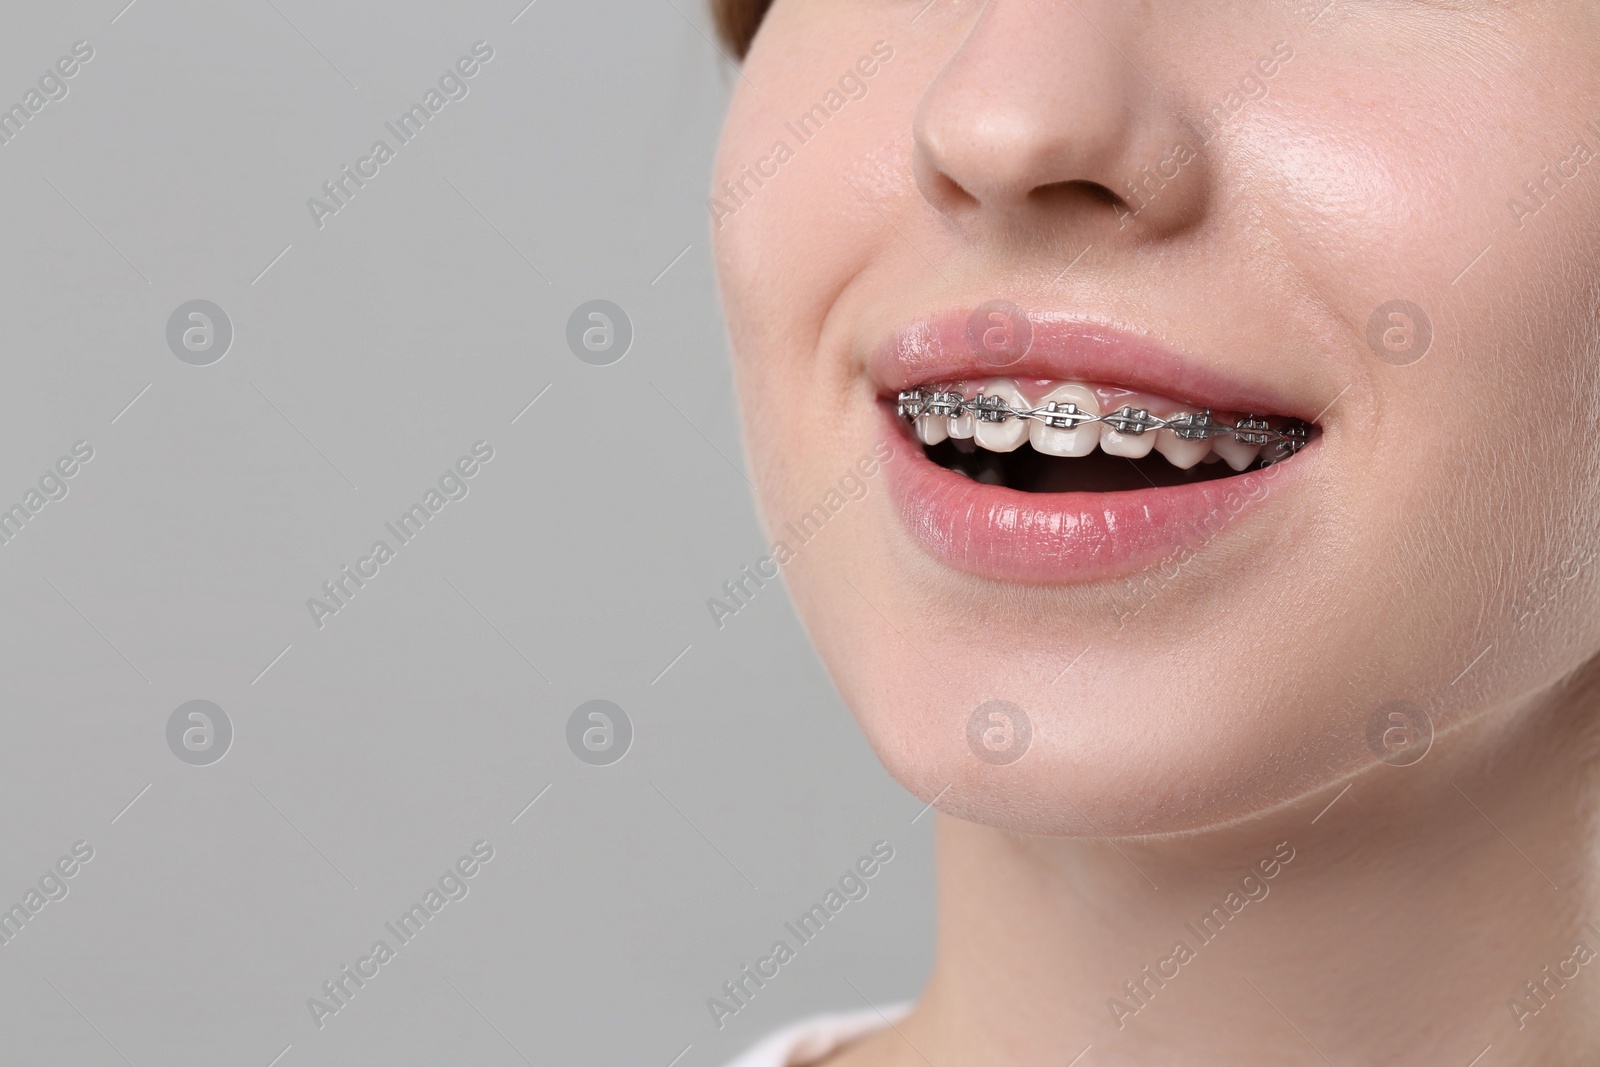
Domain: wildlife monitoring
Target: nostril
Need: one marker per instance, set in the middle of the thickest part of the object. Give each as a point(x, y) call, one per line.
point(948, 194)
point(1077, 192)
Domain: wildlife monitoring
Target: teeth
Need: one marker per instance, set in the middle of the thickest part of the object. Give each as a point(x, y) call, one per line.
point(1121, 444)
point(1179, 452)
point(1003, 436)
point(1080, 440)
point(1237, 454)
point(979, 402)
point(961, 426)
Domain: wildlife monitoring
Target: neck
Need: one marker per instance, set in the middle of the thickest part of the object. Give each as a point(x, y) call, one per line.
point(1430, 912)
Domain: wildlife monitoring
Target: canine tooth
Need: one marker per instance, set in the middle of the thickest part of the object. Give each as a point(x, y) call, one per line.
point(1004, 436)
point(1179, 452)
point(1132, 446)
point(932, 429)
point(1079, 441)
point(1238, 454)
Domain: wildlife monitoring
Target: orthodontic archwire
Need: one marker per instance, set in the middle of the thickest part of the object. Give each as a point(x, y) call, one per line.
point(1201, 425)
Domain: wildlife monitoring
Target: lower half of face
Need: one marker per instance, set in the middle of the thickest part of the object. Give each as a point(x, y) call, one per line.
point(1156, 420)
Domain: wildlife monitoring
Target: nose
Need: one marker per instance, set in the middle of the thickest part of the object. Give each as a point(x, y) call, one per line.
point(1044, 117)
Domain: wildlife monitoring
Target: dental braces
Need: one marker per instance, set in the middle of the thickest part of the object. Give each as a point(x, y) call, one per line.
point(1201, 425)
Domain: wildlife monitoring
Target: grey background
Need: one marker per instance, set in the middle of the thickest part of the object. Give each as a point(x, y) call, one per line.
point(372, 753)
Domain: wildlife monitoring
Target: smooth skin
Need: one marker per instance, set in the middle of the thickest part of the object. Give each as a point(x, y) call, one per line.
point(1440, 546)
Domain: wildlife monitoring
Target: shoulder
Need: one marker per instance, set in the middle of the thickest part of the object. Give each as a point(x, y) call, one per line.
point(809, 1040)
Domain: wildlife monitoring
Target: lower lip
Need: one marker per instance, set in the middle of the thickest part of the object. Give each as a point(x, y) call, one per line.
point(1009, 535)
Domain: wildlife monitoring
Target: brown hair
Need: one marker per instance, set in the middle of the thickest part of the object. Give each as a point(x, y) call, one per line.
point(737, 21)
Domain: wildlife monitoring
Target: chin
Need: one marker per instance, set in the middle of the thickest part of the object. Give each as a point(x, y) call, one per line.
point(1029, 730)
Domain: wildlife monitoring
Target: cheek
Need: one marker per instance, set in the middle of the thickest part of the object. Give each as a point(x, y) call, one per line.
point(788, 248)
point(1478, 484)
point(799, 189)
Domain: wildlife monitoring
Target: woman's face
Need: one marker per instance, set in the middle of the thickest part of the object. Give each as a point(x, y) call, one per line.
point(1381, 217)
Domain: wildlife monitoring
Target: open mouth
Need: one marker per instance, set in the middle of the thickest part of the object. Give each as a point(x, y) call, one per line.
point(1049, 436)
point(1095, 453)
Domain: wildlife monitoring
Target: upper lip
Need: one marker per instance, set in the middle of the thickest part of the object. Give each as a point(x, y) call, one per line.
point(1071, 347)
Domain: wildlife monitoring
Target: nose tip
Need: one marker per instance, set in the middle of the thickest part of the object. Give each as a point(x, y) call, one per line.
point(1040, 116)
point(999, 162)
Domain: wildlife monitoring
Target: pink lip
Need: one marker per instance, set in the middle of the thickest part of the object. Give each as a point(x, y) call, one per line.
point(1070, 349)
point(1010, 535)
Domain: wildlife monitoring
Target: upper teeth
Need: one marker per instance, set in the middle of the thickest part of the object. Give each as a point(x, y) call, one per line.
point(1067, 421)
